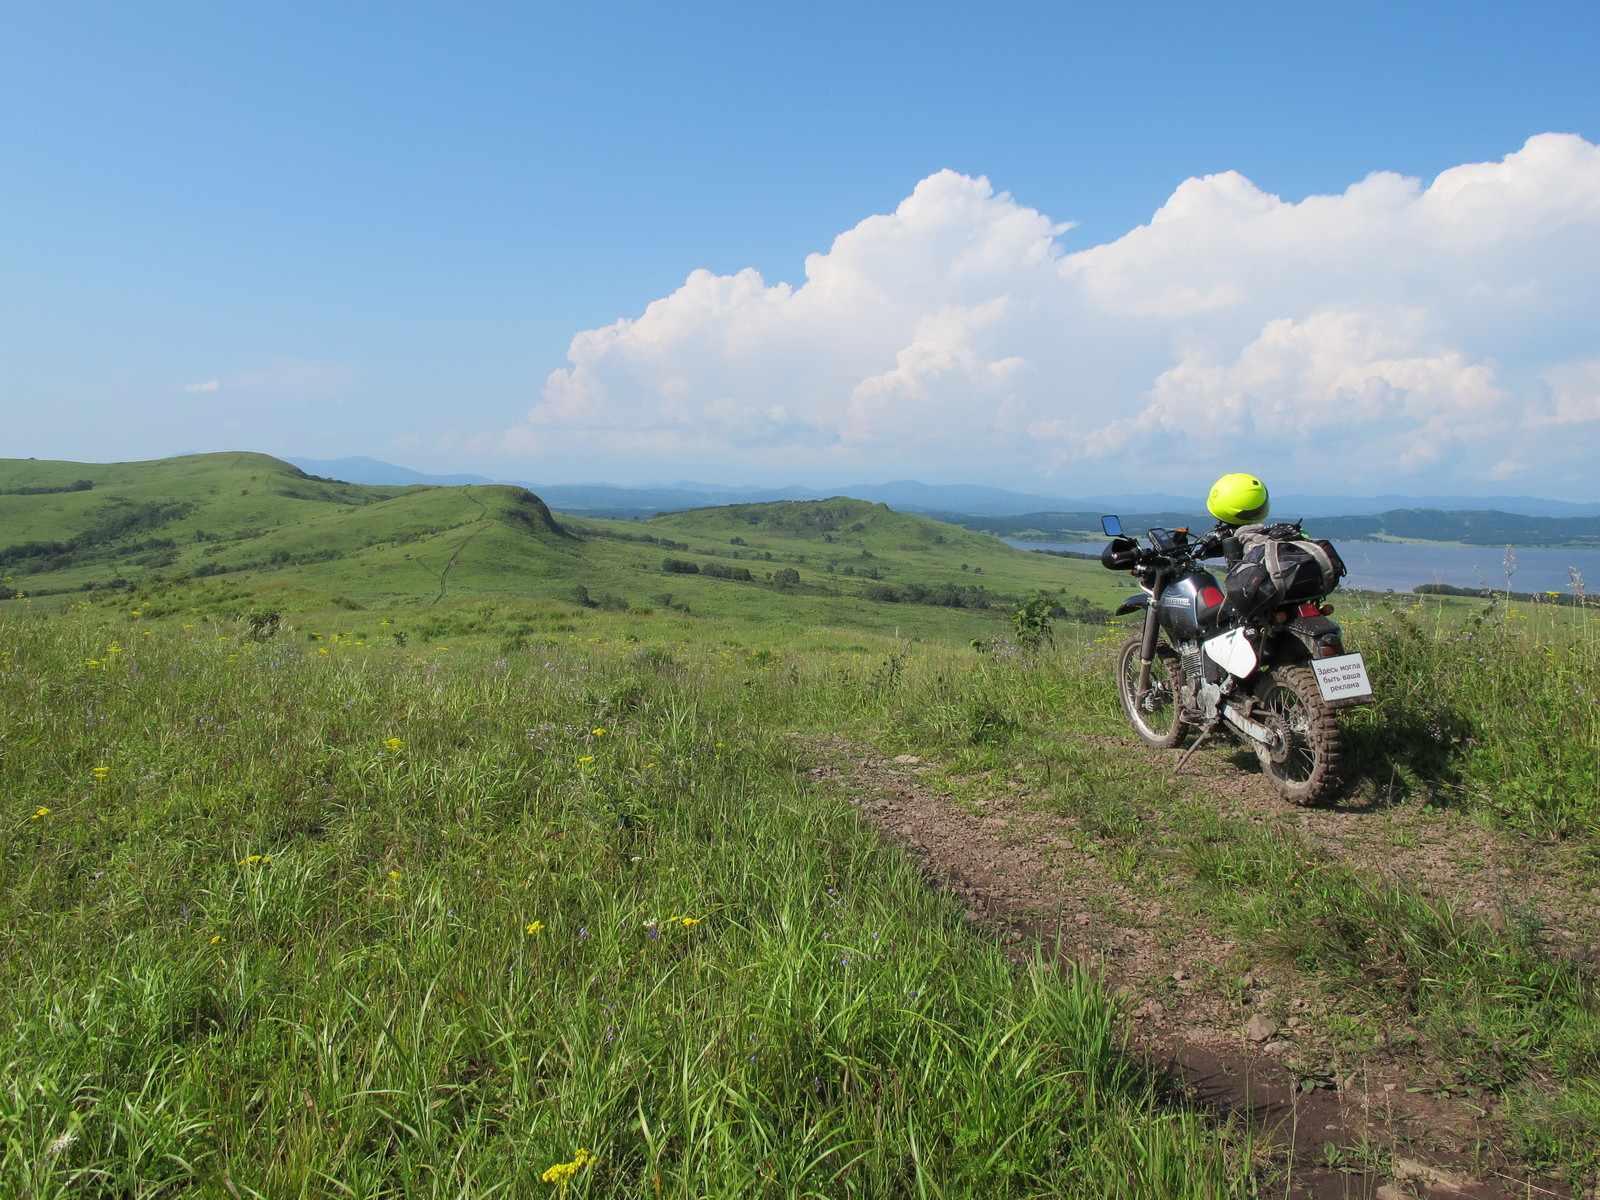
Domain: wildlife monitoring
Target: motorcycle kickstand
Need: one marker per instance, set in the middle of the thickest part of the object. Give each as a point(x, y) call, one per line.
point(1210, 728)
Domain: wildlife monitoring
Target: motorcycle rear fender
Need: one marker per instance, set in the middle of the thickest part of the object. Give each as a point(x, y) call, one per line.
point(1134, 604)
point(1311, 630)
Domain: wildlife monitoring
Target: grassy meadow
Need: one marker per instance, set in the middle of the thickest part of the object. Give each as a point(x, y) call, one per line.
point(413, 870)
point(292, 917)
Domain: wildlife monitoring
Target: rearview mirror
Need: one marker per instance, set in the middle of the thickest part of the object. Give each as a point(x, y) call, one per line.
point(1111, 526)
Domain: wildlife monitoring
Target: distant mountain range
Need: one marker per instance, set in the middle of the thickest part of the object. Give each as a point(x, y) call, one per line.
point(614, 500)
point(373, 472)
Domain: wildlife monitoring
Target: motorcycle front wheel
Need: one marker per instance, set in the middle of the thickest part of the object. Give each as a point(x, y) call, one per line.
point(1153, 715)
point(1304, 760)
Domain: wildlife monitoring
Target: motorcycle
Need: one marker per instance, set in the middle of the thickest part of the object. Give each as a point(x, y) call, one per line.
point(1274, 673)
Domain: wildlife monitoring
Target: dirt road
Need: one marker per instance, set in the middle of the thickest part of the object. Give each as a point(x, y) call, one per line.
point(1246, 1035)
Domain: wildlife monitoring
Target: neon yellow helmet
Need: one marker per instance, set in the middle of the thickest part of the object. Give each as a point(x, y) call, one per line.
point(1238, 499)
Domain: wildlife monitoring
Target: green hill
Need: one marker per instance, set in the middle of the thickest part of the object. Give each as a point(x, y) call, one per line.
point(305, 542)
point(222, 514)
point(1469, 528)
point(1067, 526)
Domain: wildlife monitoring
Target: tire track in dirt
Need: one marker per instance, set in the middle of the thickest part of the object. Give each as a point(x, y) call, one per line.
point(1035, 880)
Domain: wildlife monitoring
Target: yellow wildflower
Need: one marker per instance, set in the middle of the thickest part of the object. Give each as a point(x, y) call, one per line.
point(43, 812)
point(598, 732)
point(534, 927)
point(587, 758)
point(255, 858)
point(394, 874)
point(688, 922)
point(113, 649)
point(561, 1174)
point(217, 938)
point(392, 743)
point(100, 772)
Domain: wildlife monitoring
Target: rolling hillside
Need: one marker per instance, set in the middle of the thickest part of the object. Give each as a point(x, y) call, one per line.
point(221, 514)
point(266, 526)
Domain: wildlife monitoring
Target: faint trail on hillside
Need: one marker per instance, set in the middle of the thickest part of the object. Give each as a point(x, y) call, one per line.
point(455, 555)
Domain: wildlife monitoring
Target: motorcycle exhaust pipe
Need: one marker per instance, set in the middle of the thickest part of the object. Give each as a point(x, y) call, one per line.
point(1251, 729)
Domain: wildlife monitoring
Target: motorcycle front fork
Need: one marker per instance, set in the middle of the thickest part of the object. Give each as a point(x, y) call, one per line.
point(1152, 629)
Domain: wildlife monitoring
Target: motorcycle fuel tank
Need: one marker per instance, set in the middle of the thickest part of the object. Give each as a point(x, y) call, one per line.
point(1189, 604)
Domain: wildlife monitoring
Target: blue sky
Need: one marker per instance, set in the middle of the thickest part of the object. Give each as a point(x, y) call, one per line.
point(327, 230)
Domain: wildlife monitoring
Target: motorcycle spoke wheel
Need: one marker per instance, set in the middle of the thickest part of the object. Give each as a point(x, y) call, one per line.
point(1305, 760)
point(1153, 715)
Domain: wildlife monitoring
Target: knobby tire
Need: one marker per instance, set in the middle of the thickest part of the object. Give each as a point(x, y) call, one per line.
point(1155, 716)
point(1307, 768)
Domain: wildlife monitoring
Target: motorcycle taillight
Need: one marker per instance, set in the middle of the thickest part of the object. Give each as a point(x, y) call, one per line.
point(1309, 610)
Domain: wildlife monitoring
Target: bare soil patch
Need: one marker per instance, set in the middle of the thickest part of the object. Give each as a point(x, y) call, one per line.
point(1242, 1035)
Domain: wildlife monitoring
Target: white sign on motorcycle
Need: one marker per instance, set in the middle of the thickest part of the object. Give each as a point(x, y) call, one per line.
point(1343, 677)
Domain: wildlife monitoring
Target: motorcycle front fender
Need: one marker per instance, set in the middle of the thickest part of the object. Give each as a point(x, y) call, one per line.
point(1133, 604)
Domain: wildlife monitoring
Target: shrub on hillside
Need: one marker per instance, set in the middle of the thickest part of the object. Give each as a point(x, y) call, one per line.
point(945, 595)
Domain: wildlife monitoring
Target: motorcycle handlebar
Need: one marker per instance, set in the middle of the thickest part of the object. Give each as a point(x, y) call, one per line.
point(1169, 548)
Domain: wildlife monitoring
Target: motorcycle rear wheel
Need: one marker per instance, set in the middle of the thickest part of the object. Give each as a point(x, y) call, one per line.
point(1155, 715)
point(1305, 764)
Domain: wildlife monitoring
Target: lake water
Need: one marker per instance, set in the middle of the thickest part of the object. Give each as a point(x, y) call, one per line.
point(1376, 566)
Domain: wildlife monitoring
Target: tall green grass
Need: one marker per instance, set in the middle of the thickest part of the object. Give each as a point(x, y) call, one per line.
point(1499, 712)
point(349, 917)
point(1499, 1013)
point(289, 918)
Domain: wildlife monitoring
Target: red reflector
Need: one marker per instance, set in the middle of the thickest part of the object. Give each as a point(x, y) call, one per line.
point(1310, 610)
point(1210, 596)
point(1332, 651)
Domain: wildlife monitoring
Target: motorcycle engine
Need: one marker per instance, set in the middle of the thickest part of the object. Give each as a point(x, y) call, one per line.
point(1192, 663)
point(1188, 686)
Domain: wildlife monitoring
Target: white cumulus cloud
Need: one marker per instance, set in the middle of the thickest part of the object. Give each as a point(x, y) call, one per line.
point(1393, 335)
point(209, 385)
